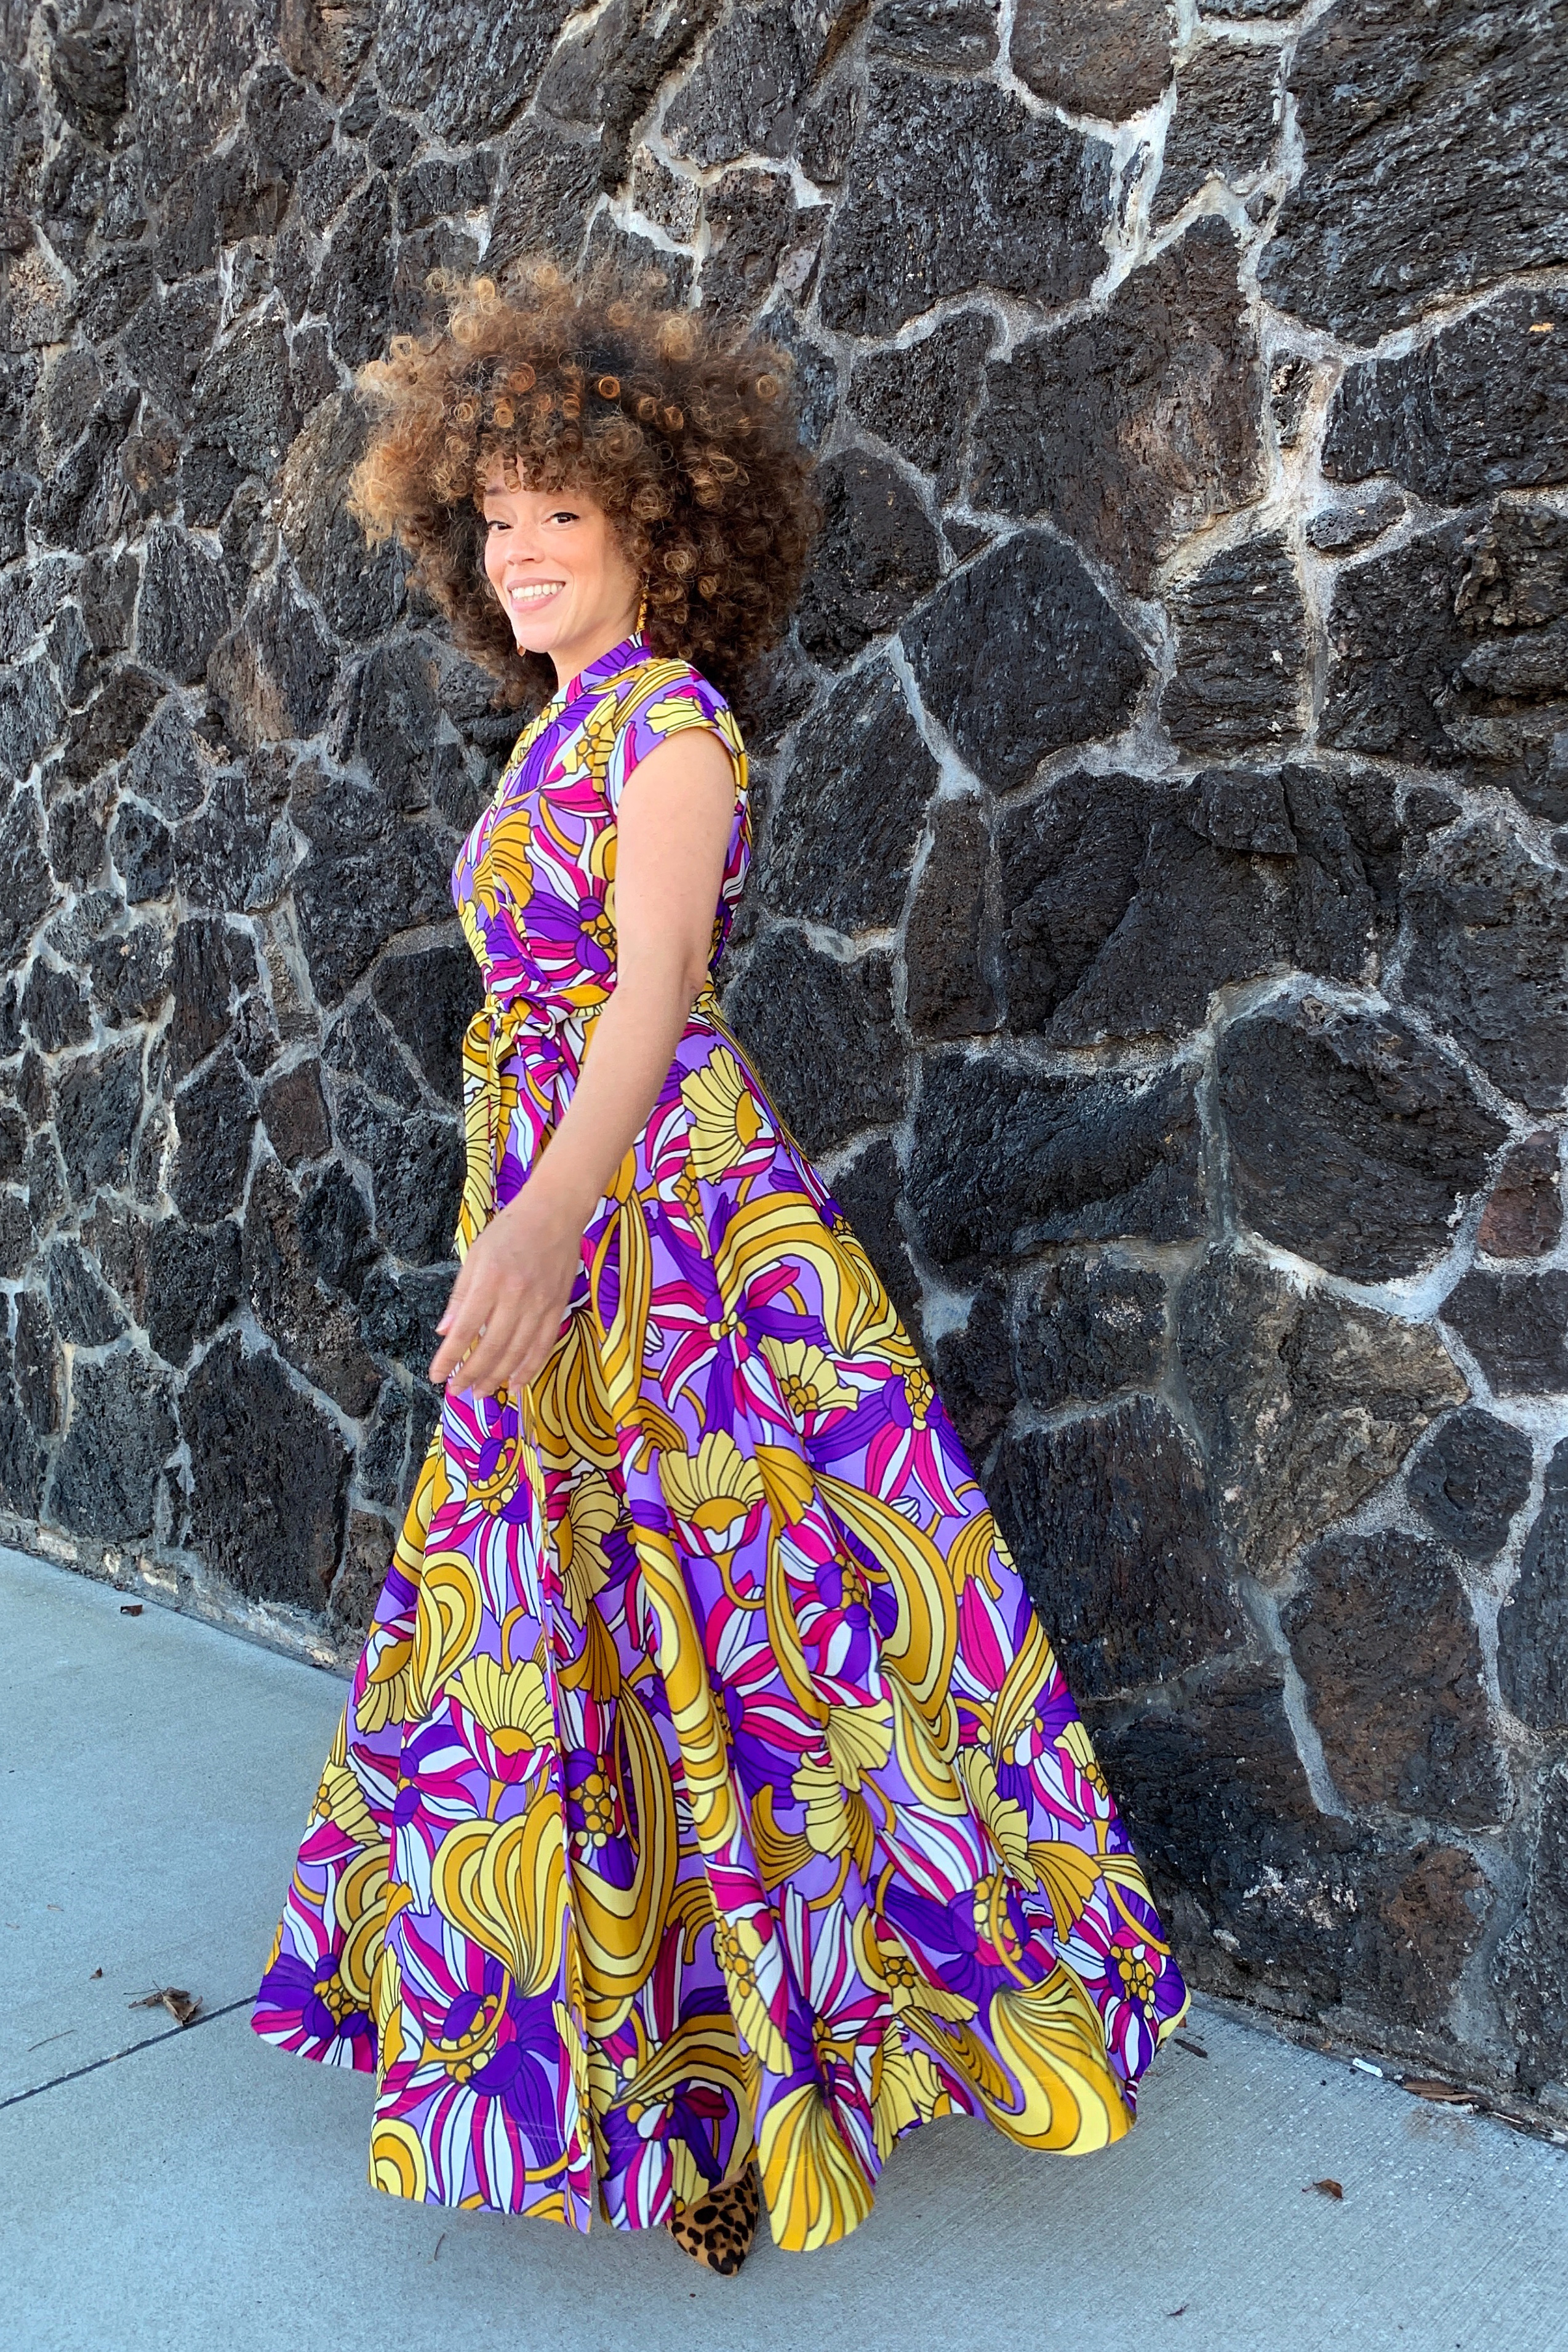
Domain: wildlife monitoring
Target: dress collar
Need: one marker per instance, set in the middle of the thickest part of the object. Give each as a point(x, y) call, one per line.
point(626, 655)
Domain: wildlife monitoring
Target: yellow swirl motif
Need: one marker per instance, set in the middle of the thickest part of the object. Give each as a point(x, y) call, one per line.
point(511, 1703)
point(815, 2191)
point(1049, 2037)
point(397, 2160)
point(447, 1625)
point(621, 1928)
point(503, 1884)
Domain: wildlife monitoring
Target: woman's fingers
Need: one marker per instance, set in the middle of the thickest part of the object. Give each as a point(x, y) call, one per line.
point(468, 1309)
point(510, 1333)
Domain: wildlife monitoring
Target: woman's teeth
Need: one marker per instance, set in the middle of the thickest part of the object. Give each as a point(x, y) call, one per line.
point(538, 589)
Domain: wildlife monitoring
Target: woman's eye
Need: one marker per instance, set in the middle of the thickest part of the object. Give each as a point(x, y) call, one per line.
point(564, 514)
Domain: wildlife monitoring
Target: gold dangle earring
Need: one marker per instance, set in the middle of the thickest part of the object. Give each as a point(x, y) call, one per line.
point(640, 624)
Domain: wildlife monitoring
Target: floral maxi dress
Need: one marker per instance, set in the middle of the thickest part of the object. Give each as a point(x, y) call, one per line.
point(707, 1787)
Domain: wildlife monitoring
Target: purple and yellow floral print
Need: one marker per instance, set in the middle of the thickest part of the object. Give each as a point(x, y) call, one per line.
point(708, 1786)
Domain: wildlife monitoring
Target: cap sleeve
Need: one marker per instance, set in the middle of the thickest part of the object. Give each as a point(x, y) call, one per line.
point(669, 699)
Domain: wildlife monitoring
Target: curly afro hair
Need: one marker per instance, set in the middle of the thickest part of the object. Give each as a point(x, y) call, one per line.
point(686, 434)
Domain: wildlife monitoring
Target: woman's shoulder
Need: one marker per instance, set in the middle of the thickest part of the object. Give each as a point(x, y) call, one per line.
point(668, 695)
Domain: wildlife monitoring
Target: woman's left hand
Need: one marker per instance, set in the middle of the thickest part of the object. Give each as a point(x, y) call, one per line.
point(509, 1302)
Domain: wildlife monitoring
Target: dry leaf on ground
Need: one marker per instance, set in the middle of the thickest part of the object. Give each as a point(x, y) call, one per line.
point(1428, 2087)
point(181, 2006)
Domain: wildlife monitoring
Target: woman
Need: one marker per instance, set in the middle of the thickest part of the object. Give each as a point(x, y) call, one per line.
point(707, 1802)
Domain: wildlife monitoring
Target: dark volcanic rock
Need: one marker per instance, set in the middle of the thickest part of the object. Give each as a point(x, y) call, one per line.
point(416, 1167)
point(1532, 1967)
point(745, 96)
point(98, 1109)
point(214, 1115)
point(1524, 1216)
point(211, 964)
point(318, 1335)
point(273, 677)
point(241, 398)
point(1031, 224)
point(391, 720)
point(1488, 957)
point(1224, 127)
point(823, 1034)
point(121, 1432)
point(875, 558)
point(467, 74)
point(1436, 142)
point(1129, 428)
point(975, 1370)
point(54, 1009)
point(18, 1235)
point(1269, 869)
point(361, 1047)
point(1109, 57)
point(609, 77)
point(947, 991)
point(922, 398)
point(84, 1311)
point(1340, 529)
point(1388, 1652)
point(192, 1283)
point(366, 1558)
point(1087, 1327)
point(26, 887)
point(1108, 1520)
point(38, 1366)
point(130, 973)
point(1271, 1899)
point(268, 1477)
point(400, 1307)
point(353, 286)
point(815, 381)
point(334, 1230)
point(184, 609)
point(294, 1113)
point(1470, 1479)
point(110, 723)
point(847, 811)
point(360, 588)
point(868, 1192)
point(1481, 407)
point(550, 184)
point(1351, 1142)
point(1455, 647)
point(428, 997)
point(1241, 651)
point(142, 849)
point(31, 716)
point(1006, 1157)
point(367, 878)
point(1306, 1403)
point(1020, 655)
point(749, 217)
point(632, 264)
point(1517, 1327)
point(958, 34)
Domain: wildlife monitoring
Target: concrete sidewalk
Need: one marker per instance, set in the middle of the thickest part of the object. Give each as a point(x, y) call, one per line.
point(202, 2193)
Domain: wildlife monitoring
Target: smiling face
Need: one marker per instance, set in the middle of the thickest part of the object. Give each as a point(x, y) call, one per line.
point(553, 559)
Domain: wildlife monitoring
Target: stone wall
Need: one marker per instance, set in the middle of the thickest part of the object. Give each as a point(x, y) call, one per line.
point(1158, 928)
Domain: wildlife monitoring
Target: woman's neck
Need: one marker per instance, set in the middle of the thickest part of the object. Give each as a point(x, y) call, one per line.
point(571, 661)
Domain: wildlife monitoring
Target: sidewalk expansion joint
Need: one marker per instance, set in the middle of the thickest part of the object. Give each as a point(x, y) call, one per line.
point(172, 2034)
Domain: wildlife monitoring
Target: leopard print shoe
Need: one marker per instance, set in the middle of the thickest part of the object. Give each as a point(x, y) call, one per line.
point(718, 2228)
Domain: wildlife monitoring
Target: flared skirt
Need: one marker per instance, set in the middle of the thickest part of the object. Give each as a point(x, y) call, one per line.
point(707, 1788)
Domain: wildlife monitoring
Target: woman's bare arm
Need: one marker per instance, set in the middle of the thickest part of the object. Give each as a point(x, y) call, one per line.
point(672, 833)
